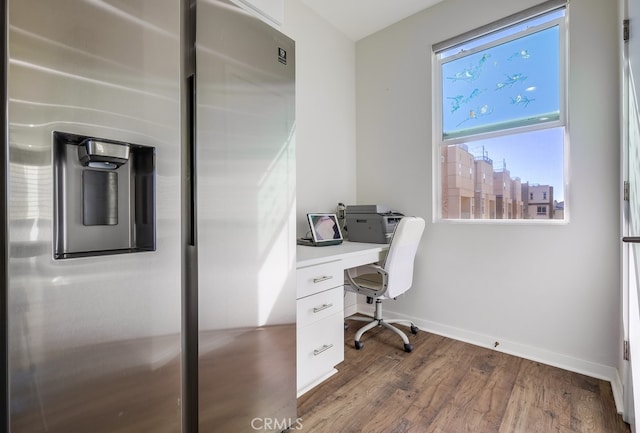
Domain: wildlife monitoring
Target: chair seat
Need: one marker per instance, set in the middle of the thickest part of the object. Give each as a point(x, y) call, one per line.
point(370, 281)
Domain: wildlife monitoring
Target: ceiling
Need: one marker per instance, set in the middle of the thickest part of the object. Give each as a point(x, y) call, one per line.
point(360, 18)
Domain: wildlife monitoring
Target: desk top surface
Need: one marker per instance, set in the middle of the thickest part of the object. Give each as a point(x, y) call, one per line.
point(309, 256)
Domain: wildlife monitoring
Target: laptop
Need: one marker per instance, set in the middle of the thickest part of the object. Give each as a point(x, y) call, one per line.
point(324, 229)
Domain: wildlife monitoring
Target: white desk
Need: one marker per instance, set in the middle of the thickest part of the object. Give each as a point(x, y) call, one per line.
point(320, 322)
point(356, 253)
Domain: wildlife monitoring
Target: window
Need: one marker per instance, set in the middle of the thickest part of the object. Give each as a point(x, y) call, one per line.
point(501, 104)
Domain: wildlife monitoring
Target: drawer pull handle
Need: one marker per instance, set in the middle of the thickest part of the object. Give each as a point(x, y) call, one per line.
point(323, 278)
point(322, 349)
point(322, 307)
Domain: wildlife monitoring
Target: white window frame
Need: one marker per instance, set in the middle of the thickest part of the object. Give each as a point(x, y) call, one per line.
point(439, 142)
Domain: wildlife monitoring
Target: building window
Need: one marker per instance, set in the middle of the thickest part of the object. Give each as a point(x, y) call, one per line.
point(501, 100)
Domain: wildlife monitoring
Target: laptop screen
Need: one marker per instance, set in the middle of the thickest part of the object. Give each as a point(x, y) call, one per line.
point(324, 227)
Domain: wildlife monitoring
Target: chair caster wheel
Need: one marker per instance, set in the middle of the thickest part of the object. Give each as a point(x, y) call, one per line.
point(408, 347)
point(358, 344)
point(414, 329)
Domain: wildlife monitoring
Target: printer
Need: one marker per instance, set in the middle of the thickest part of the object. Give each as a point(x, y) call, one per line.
point(371, 223)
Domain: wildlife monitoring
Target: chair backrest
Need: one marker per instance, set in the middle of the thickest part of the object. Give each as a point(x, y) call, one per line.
point(401, 255)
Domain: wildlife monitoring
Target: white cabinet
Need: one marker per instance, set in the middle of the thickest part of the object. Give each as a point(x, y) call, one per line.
point(320, 323)
point(271, 10)
point(320, 306)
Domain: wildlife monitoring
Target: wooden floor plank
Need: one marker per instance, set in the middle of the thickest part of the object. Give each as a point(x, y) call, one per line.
point(446, 386)
point(540, 401)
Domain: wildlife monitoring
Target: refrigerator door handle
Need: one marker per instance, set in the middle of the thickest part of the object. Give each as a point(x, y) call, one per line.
point(191, 107)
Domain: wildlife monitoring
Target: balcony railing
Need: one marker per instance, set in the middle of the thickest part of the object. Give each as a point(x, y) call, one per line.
point(484, 158)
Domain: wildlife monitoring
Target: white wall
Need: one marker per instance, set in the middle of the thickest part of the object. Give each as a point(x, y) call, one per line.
point(325, 112)
point(568, 315)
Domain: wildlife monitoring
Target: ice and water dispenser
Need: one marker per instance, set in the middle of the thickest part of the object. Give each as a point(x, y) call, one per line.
point(104, 196)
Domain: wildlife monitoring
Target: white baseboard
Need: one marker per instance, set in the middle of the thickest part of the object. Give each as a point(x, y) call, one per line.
point(554, 359)
point(618, 392)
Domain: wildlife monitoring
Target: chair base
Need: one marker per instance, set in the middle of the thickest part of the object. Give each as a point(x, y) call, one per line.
point(378, 320)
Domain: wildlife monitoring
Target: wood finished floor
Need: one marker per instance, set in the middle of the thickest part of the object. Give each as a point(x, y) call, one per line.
point(446, 386)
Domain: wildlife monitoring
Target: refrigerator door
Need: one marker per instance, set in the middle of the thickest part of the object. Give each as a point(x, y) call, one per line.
point(94, 342)
point(246, 222)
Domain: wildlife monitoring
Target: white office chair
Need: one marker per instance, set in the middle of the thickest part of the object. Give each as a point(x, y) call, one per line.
point(389, 280)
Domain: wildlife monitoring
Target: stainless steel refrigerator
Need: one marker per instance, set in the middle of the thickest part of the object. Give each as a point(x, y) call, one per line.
point(148, 229)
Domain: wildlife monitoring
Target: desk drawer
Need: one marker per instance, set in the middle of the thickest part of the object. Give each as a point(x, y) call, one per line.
point(314, 279)
point(316, 307)
point(320, 349)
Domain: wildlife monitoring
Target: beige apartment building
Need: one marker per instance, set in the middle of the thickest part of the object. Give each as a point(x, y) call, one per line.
point(502, 189)
point(540, 203)
point(458, 192)
point(485, 198)
point(473, 189)
point(517, 206)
